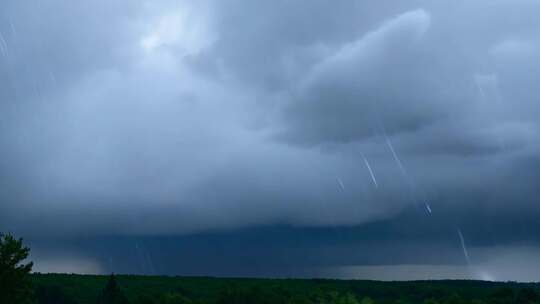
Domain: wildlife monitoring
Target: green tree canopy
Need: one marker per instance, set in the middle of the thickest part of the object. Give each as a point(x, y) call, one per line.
point(527, 296)
point(112, 294)
point(14, 282)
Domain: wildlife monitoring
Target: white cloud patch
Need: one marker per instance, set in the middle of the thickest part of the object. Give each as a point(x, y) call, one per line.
point(184, 30)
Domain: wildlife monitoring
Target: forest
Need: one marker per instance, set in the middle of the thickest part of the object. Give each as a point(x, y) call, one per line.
point(89, 289)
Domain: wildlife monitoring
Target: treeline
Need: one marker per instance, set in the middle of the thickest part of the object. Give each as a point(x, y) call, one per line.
point(18, 286)
point(246, 291)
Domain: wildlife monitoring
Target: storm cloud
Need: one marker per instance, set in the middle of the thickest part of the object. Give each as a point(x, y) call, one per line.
point(157, 119)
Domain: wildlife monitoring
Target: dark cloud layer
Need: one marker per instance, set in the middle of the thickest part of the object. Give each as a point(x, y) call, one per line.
point(170, 121)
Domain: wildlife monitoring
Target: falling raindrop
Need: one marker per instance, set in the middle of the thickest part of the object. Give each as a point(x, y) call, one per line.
point(340, 182)
point(3, 45)
point(12, 27)
point(428, 208)
point(396, 158)
point(463, 246)
point(370, 172)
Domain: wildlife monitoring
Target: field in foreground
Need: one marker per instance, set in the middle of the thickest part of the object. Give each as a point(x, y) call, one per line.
point(85, 289)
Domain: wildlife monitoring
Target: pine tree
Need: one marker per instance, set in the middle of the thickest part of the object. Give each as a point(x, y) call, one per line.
point(14, 281)
point(112, 294)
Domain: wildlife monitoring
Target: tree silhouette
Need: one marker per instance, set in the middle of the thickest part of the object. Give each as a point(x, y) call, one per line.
point(527, 296)
point(112, 294)
point(52, 295)
point(14, 282)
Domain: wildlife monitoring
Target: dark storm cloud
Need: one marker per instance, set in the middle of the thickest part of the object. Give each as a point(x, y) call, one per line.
point(166, 118)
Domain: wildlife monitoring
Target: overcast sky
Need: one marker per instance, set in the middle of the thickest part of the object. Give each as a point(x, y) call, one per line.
point(273, 138)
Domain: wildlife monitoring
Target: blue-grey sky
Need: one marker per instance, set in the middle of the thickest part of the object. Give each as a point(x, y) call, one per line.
point(363, 139)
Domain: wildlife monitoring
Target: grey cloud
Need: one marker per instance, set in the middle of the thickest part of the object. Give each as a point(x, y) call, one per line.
point(283, 39)
point(168, 118)
point(379, 80)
